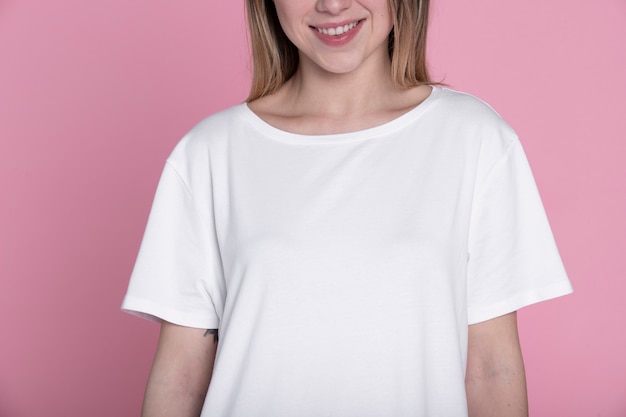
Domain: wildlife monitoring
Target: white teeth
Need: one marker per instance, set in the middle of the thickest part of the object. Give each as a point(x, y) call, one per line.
point(339, 30)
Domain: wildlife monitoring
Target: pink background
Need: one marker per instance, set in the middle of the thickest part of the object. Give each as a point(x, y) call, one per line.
point(93, 96)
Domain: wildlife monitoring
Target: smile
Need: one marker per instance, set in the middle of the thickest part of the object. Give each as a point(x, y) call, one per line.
point(339, 30)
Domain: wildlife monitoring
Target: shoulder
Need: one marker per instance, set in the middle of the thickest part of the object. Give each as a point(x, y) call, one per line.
point(465, 108)
point(197, 151)
point(205, 138)
point(209, 131)
point(473, 120)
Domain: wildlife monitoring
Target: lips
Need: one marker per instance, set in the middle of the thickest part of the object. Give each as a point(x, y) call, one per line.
point(337, 34)
point(337, 30)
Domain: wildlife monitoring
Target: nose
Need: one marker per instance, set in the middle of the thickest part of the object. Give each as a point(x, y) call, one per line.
point(333, 6)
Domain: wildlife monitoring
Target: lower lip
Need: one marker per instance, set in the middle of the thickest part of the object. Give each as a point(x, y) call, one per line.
point(334, 40)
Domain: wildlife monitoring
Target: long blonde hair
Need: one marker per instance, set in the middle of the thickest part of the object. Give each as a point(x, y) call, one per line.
point(275, 58)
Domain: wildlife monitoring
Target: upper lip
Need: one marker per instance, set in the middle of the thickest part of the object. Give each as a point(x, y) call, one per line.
point(336, 24)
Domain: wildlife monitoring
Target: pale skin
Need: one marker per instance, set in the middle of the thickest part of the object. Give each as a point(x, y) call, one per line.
point(495, 380)
point(337, 90)
point(181, 372)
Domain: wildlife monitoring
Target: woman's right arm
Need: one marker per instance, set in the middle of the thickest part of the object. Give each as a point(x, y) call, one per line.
point(181, 372)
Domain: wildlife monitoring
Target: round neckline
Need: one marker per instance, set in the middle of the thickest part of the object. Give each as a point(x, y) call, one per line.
point(275, 133)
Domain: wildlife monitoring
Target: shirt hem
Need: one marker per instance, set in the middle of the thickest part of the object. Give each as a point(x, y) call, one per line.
point(522, 300)
point(153, 311)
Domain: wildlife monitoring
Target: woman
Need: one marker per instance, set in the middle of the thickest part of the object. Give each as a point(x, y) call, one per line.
point(359, 237)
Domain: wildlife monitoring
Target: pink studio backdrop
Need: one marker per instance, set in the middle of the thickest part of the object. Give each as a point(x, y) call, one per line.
point(93, 96)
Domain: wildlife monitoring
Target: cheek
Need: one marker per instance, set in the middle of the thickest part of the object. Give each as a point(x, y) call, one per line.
point(288, 16)
point(385, 14)
point(382, 18)
point(288, 28)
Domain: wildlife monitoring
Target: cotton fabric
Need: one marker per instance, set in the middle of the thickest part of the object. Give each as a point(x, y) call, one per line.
point(343, 270)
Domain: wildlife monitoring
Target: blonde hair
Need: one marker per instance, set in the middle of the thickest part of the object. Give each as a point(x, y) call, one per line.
point(275, 58)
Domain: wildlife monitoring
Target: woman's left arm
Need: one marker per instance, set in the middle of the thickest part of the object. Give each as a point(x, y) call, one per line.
point(495, 380)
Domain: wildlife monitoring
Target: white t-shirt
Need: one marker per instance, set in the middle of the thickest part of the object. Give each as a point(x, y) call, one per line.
point(343, 270)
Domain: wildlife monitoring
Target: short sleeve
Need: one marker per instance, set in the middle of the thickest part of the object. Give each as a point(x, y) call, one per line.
point(177, 272)
point(513, 258)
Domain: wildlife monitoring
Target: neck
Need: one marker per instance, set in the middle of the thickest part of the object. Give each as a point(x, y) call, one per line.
point(315, 91)
point(314, 101)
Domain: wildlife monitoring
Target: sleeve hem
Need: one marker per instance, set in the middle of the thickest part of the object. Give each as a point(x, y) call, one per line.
point(150, 310)
point(509, 305)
